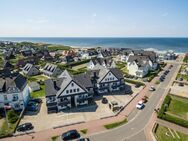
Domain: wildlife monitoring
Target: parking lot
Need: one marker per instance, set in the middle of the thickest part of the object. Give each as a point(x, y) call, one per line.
point(179, 90)
point(97, 110)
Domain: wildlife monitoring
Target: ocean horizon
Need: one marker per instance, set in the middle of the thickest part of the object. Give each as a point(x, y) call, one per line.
point(179, 45)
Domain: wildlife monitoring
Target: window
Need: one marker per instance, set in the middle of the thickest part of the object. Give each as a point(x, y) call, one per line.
point(5, 97)
point(78, 89)
point(74, 90)
point(15, 97)
point(109, 74)
point(72, 84)
point(67, 91)
point(70, 90)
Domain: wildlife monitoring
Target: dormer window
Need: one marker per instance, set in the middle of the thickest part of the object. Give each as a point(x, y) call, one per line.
point(72, 84)
point(5, 97)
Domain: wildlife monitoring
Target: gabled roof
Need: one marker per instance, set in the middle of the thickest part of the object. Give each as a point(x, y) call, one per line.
point(9, 79)
point(100, 74)
point(50, 67)
point(28, 67)
point(57, 86)
point(107, 61)
point(141, 61)
point(7, 64)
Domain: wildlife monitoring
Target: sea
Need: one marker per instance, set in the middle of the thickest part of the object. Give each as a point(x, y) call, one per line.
point(178, 45)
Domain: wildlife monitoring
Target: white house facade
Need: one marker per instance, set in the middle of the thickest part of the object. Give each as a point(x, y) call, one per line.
point(14, 91)
point(68, 91)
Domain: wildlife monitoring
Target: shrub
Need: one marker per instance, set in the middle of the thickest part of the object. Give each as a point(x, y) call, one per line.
point(54, 138)
point(134, 82)
point(84, 131)
point(175, 120)
point(163, 109)
point(115, 124)
point(12, 116)
point(157, 82)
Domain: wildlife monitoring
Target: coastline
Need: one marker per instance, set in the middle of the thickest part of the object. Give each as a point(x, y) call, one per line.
point(178, 45)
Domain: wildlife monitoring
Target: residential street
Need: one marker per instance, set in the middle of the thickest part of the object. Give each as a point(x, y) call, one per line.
point(131, 131)
point(134, 129)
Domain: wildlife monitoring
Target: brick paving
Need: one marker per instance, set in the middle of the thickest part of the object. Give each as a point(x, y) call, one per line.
point(172, 126)
point(154, 119)
point(92, 126)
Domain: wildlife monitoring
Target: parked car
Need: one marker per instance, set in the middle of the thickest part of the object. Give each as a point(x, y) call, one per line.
point(170, 66)
point(161, 79)
point(181, 84)
point(32, 108)
point(152, 88)
point(25, 127)
point(140, 105)
point(83, 139)
point(104, 100)
point(31, 103)
point(166, 72)
point(137, 85)
point(180, 79)
point(70, 135)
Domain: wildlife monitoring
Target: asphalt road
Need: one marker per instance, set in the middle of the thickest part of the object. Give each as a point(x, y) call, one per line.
point(134, 129)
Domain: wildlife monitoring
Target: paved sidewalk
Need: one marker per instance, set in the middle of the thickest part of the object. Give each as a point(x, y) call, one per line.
point(154, 119)
point(92, 126)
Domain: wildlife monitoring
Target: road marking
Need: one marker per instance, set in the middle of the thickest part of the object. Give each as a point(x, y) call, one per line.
point(171, 133)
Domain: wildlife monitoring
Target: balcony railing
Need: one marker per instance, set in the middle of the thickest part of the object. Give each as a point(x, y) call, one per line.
point(63, 103)
point(51, 103)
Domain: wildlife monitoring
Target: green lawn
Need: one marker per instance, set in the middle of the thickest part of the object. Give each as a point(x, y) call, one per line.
point(164, 134)
point(185, 59)
point(125, 70)
point(185, 77)
point(115, 124)
point(120, 64)
point(5, 130)
point(40, 93)
point(58, 47)
point(81, 66)
point(179, 106)
point(84, 131)
point(37, 78)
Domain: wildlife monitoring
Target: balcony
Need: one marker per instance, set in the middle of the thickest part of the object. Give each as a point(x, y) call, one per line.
point(80, 99)
point(51, 103)
point(63, 103)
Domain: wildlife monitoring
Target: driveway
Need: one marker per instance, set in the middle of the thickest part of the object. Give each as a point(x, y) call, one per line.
point(97, 110)
point(179, 90)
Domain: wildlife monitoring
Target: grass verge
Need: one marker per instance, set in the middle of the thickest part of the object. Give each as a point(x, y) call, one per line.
point(54, 138)
point(165, 134)
point(40, 93)
point(84, 131)
point(115, 124)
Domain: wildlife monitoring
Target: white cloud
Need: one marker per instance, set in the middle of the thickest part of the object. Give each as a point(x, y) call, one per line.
point(37, 20)
point(164, 14)
point(94, 15)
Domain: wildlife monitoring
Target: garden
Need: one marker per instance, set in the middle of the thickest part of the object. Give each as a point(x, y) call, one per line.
point(174, 109)
point(166, 134)
point(9, 123)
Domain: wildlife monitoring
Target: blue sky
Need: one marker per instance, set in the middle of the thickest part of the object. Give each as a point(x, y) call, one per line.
point(94, 18)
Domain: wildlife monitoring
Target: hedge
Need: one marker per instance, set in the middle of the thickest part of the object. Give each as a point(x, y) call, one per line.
point(72, 64)
point(175, 120)
point(12, 116)
point(163, 109)
point(134, 82)
point(170, 118)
